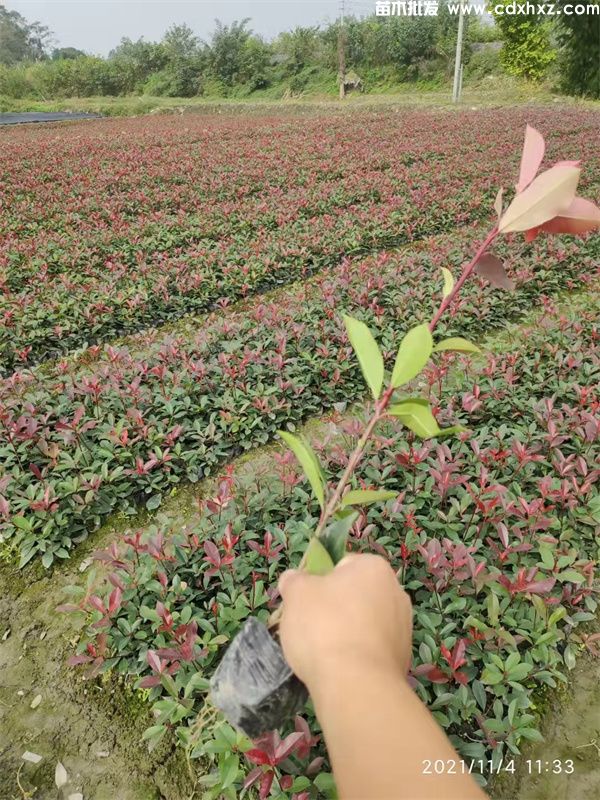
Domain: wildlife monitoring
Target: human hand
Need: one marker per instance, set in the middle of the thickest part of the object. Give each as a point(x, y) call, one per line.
point(355, 617)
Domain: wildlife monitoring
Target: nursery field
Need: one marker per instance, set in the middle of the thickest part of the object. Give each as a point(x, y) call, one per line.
point(171, 295)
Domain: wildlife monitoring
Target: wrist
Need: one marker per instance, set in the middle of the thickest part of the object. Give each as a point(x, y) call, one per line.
point(338, 673)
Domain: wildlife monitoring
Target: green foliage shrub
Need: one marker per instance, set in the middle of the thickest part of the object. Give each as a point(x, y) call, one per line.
point(483, 63)
point(527, 51)
point(13, 82)
point(579, 59)
point(178, 80)
point(81, 77)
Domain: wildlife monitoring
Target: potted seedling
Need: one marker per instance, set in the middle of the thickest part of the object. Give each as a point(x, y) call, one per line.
point(254, 686)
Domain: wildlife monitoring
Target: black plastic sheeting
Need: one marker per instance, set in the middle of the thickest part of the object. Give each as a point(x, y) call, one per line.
point(17, 118)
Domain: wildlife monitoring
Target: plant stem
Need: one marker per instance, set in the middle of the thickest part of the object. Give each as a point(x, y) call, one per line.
point(380, 408)
point(383, 402)
point(465, 274)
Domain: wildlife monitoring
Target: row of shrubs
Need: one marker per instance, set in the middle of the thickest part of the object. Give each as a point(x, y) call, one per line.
point(491, 532)
point(128, 423)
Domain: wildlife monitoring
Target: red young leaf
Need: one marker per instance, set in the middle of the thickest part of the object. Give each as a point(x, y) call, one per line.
point(533, 154)
point(265, 785)
point(252, 777)
point(149, 682)
point(580, 217)
point(114, 601)
point(498, 203)
point(435, 675)
point(97, 603)
point(67, 608)
point(431, 672)
point(458, 654)
point(288, 745)
point(258, 756)
point(548, 196)
point(492, 269)
point(567, 163)
point(541, 587)
point(73, 661)
point(154, 661)
point(212, 551)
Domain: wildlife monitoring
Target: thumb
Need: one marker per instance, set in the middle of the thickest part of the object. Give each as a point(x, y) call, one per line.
point(287, 578)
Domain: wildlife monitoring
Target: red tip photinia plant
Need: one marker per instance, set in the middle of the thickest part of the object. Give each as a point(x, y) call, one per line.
point(543, 202)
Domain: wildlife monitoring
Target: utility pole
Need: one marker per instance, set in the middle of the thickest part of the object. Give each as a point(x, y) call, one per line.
point(342, 52)
point(458, 58)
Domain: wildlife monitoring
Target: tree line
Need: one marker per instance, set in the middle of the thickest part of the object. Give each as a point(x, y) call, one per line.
point(236, 61)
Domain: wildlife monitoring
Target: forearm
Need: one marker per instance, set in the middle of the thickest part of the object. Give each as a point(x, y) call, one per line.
point(379, 734)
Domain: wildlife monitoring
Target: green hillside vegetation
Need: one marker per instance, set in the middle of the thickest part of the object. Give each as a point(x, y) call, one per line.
point(384, 52)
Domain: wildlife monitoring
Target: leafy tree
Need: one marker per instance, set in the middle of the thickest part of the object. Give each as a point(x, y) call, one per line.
point(21, 40)
point(180, 41)
point(140, 56)
point(298, 48)
point(527, 51)
point(226, 50)
point(254, 60)
point(579, 37)
point(67, 53)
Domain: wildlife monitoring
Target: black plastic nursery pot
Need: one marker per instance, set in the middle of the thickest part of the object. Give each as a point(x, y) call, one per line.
point(254, 685)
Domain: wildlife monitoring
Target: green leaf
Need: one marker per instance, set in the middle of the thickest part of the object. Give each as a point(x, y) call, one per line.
point(26, 557)
point(531, 734)
point(335, 536)
point(363, 497)
point(417, 417)
point(519, 672)
point(153, 502)
point(155, 730)
point(22, 523)
point(229, 770)
point(493, 609)
point(309, 463)
point(317, 559)
point(557, 615)
point(451, 430)
point(547, 555)
point(196, 682)
point(413, 354)
point(456, 343)
point(491, 676)
point(153, 735)
point(479, 694)
point(149, 613)
point(368, 353)
point(300, 783)
point(571, 576)
point(448, 282)
point(326, 785)
point(569, 656)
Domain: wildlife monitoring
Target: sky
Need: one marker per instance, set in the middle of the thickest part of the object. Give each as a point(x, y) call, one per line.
point(97, 26)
